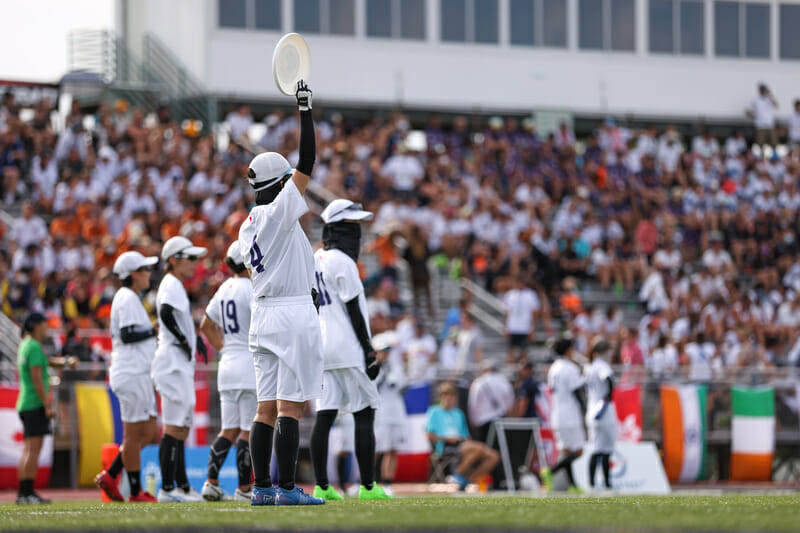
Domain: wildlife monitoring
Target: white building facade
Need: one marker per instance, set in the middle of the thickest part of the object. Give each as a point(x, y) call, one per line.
point(646, 58)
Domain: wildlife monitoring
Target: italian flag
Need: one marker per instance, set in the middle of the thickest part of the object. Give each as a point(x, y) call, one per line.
point(683, 417)
point(752, 433)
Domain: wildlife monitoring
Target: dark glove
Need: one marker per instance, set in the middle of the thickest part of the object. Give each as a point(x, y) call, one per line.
point(184, 344)
point(372, 364)
point(201, 349)
point(315, 298)
point(303, 95)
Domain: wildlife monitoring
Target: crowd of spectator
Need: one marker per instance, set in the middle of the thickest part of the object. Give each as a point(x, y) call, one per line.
point(703, 228)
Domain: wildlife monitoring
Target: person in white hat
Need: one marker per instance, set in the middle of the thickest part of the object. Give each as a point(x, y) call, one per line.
point(133, 345)
point(226, 325)
point(350, 361)
point(601, 414)
point(285, 335)
point(173, 366)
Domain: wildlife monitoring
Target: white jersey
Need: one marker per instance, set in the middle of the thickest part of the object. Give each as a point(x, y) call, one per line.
point(169, 355)
point(520, 305)
point(338, 282)
point(391, 382)
point(230, 310)
point(564, 377)
point(135, 358)
point(596, 375)
point(271, 235)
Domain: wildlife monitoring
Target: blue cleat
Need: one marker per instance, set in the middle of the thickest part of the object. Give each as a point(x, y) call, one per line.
point(263, 496)
point(296, 496)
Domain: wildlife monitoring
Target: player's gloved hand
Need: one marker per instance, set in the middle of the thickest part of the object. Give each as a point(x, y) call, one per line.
point(373, 367)
point(201, 349)
point(184, 344)
point(303, 95)
point(315, 298)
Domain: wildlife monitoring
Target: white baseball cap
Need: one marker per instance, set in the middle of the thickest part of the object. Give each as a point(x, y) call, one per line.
point(341, 209)
point(384, 341)
point(267, 169)
point(181, 246)
point(235, 253)
point(130, 262)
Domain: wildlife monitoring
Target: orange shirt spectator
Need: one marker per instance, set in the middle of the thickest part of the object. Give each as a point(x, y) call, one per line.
point(66, 225)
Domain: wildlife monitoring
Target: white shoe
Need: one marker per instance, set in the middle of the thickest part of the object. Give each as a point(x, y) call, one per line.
point(191, 495)
point(171, 496)
point(388, 490)
point(212, 493)
point(242, 496)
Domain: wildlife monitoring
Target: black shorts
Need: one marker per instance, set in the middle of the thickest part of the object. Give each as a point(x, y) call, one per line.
point(35, 422)
point(518, 340)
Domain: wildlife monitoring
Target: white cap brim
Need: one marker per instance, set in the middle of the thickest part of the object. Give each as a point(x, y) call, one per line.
point(197, 251)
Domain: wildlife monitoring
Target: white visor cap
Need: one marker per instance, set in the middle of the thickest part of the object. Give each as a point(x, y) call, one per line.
point(235, 253)
point(267, 169)
point(342, 209)
point(181, 247)
point(130, 262)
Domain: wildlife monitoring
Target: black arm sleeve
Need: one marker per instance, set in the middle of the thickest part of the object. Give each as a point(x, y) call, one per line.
point(610, 381)
point(581, 400)
point(359, 325)
point(167, 314)
point(130, 336)
point(307, 152)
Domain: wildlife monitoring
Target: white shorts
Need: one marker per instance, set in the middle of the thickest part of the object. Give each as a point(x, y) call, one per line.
point(570, 438)
point(137, 400)
point(238, 408)
point(348, 390)
point(286, 342)
point(390, 436)
point(177, 398)
point(603, 432)
point(343, 434)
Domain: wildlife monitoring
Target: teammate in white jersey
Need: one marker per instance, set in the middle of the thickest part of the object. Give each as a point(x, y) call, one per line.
point(133, 345)
point(601, 414)
point(350, 362)
point(391, 419)
point(173, 367)
point(285, 336)
point(226, 325)
point(564, 378)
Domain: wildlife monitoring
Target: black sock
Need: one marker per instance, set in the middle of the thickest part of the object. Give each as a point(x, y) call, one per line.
point(116, 466)
point(135, 482)
point(319, 445)
point(216, 456)
point(287, 442)
point(365, 445)
point(593, 467)
point(243, 463)
point(607, 469)
point(25, 487)
point(566, 463)
point(261, 452)
point(167, 452)
point(343, 469)
point(181, 479)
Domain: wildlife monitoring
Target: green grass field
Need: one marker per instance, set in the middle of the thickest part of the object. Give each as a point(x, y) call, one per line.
point(675, 513)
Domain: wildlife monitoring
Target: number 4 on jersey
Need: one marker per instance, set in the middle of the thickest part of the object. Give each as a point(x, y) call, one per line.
point(256, 256)
point(324, 298)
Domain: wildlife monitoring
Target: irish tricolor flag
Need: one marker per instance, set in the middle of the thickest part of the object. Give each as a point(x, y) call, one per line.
point(752, 433)
point(683, 417)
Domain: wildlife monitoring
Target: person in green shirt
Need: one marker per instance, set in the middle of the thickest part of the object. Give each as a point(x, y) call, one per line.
point(33, 404)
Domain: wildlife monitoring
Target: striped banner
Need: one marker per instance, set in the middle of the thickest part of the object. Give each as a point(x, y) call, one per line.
point(99, 422)
point(413, 462)
point(752, 433)
point(683, 416)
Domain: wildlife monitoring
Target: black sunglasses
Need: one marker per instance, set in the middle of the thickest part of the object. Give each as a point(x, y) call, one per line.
point(180, 255)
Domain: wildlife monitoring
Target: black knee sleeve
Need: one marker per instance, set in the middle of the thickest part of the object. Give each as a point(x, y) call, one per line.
point(216, 456)
point(261, 436)
point(319, 445)
point(365, 445)
point(167, 452)
point(243, 463)
point(287, 442)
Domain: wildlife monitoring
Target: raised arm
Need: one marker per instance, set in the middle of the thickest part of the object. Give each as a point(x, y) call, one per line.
point(308, 142)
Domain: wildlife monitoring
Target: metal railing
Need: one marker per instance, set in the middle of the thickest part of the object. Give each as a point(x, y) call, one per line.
point(9, 344)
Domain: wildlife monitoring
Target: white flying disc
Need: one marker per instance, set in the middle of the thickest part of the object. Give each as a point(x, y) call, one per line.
point(291, 62)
